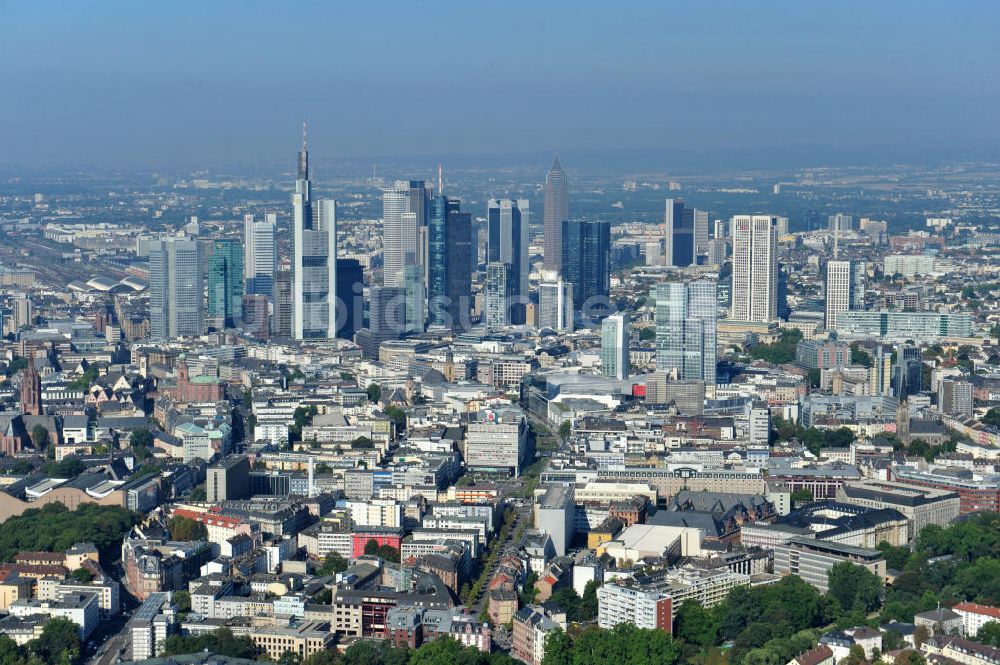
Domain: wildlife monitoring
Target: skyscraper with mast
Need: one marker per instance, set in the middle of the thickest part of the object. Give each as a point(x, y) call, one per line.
point(556, 211)
point(314, 281)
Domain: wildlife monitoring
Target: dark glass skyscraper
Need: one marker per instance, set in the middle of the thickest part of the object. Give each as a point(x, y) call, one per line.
point(507, 242)
point(225, 282)
point(678, 234)
point(586, 248)
point(449, 274)
point(556, 212)
point(350, 297)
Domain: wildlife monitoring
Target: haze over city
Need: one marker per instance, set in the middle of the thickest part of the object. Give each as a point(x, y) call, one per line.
point(499, 333)
point(672, 84)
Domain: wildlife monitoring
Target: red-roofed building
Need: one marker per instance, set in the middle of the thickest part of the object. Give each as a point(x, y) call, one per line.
point(220, 527)
point(975, 616)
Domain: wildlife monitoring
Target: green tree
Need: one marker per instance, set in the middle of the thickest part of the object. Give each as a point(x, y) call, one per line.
point(396, 415)
point(333, 563)
point(892, 640)
point(362, 443)
point(565, 429)
point(803, 494)
point(289, 658)
point(182, 599)
point(54, 528)
point(371, 547)
point(199, 493)
point(558, 648)
point(141, 438)
point(69, 467)
point(781, 351)
point(39, 436)
point(992, 417)
point(588, 602)
point(374, 391)
point(989, 634)
point(854, 587)
point(11, 653)
point(58, 643)
point(81, 575)
point(910, 657)
point(696, 625)
point(895, 557)
point(388, 553)
point(647, 334)
point(860, 357)
point(185, 529)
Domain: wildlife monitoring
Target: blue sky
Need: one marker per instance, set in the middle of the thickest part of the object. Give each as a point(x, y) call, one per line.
point(191, 83)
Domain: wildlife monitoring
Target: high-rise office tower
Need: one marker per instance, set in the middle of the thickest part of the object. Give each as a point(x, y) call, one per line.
point(686, 329)
point(679, 249)
point(281, 325)
point(586, 252)
point(404, 212)
point(955, 398)
point(556, 212)
point(498, 291)
point(350, 297)
point(386, 318)
point(845, 289)
point(314, 286)
point(23, 313)
point(449, 273)
point(716, 252)
point(225, 283)
point(555, 303)
point(614, 346)
point(840, 222)
point(859, 283)
point(700, 231)
point(413, 286)
point(260, 254)
point(507, 242)
point(880, 373)
point(755, 268)
point(176, 288)
point(838, 290)
point(908, 375)
point(255, 315)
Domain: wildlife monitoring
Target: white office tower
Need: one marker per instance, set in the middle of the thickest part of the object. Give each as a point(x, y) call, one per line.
point(845, 289)
point(404, 214)
point(176, 289)
point(614, 346)
point(555, 303)
point(755, 268)
point(260, 254)
point(838, 291)
point(314, 285)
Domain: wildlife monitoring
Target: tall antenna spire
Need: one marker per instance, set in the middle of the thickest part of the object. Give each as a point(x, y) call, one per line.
point(440, 182)
point(836, 240)
point(305, 135)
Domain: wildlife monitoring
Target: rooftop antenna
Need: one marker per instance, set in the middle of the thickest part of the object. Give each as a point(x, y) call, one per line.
point(305, 142)
point(836, 239)
point(440, 182)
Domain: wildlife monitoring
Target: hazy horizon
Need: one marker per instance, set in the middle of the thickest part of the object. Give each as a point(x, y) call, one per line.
point(669, 86)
